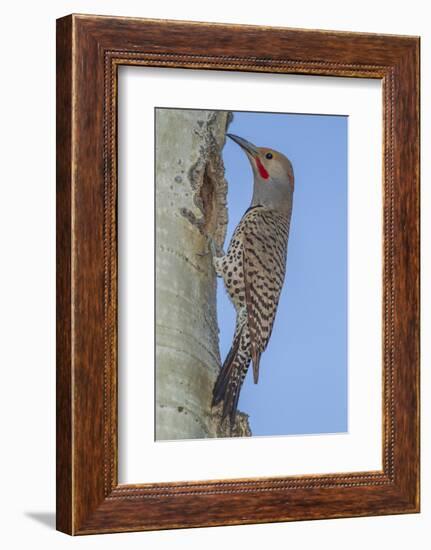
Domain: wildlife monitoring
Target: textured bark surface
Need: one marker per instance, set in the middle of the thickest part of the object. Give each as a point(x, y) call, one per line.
point(190, 205)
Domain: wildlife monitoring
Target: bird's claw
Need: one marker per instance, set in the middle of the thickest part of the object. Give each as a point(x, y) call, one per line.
point(211, 246)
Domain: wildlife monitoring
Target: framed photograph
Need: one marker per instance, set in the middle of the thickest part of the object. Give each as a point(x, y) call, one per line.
point(237, 274)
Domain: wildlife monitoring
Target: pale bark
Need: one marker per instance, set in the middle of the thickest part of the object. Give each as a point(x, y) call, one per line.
point(190, 204)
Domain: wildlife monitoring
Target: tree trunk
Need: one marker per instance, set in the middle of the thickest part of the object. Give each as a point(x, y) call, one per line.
point(190, 204)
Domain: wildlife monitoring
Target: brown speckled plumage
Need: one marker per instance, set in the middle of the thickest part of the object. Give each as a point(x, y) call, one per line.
point(253, 269)
point(253, 272)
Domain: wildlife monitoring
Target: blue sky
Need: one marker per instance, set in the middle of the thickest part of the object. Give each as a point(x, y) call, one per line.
point(302, 385)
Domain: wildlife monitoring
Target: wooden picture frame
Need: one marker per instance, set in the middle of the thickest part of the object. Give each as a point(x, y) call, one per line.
point(89, 51)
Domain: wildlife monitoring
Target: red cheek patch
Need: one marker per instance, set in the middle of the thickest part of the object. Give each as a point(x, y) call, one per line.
point(262, 170)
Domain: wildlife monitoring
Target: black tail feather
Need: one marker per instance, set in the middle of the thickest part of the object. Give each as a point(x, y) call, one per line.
point(228, 384)
point(226, 371)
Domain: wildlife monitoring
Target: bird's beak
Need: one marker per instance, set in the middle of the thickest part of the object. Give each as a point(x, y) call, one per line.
point(244, 144)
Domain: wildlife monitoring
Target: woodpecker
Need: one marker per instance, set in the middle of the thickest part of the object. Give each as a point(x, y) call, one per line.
point(253, 269)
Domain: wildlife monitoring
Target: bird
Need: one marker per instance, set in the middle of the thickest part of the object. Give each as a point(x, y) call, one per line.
point(253, 269)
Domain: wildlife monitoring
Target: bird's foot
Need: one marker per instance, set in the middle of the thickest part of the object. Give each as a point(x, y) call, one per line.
point(202, 254)
point(211, 247)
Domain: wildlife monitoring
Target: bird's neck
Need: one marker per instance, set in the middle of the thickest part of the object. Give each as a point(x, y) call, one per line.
point(272, 195)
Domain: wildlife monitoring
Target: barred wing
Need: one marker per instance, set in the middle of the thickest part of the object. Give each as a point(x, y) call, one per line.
point(264, 255)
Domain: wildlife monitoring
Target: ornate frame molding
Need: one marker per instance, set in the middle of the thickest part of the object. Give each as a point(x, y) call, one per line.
point(89, 498)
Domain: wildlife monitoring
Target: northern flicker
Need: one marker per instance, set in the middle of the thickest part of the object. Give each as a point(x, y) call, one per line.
point(253, 269)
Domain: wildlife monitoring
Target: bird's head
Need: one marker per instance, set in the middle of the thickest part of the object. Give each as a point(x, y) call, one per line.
point(273, 175)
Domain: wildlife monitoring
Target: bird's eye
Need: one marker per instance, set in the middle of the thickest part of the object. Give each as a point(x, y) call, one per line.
point(268, 155)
